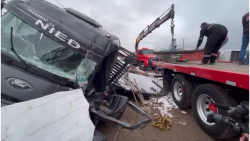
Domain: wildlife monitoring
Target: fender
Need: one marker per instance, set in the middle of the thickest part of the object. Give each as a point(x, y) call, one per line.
point(145, 62)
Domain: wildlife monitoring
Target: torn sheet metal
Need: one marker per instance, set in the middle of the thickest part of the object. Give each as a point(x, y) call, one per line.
point(62, 116)
point(145, 84)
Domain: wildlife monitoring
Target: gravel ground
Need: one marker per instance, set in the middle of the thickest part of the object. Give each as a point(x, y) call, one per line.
point(184, 128)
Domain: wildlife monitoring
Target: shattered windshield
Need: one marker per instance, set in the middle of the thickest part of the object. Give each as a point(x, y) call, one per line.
point(40, 51)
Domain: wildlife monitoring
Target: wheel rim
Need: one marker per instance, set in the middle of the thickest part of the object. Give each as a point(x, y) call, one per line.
point(204, 103)
point(142, 66)
point(178, 90)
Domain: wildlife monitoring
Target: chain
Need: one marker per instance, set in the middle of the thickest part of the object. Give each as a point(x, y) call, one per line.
point(172, 30)
point(172, 27)
point(172, 34)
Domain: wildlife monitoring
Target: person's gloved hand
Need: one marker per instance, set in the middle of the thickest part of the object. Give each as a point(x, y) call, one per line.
point(196, 48)
point(245, 137)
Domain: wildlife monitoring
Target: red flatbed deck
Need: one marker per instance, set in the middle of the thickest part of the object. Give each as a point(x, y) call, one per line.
point(227, 73)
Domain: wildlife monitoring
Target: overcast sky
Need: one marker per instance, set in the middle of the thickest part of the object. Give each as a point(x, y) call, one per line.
point(127, 18)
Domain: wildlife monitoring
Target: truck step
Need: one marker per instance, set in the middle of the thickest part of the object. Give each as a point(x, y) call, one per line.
point(120, 66)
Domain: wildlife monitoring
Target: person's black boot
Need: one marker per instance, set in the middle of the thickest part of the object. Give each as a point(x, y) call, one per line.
point(212, 60)
point(202, 63)
point(241, 63)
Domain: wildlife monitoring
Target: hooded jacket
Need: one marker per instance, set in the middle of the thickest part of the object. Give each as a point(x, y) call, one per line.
point(245, 23)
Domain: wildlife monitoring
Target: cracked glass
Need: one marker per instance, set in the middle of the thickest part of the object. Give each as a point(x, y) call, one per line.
point(39, 50)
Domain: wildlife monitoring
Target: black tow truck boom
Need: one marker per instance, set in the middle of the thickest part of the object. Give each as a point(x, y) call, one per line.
point(169, 14)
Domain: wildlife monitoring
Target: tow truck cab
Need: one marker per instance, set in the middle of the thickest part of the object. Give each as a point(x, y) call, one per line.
point(143, 56)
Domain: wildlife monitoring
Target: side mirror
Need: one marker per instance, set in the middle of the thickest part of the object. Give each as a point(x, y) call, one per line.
point(2, 4)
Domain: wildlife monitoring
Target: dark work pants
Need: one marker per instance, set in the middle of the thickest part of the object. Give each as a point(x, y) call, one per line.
point(149, 65)
point(245, 42)
point(214, 43)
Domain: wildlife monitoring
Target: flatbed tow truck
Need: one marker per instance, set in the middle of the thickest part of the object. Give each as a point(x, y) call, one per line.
point(200, 86)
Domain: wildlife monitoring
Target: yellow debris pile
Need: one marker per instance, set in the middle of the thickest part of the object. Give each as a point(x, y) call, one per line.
point(162, 122)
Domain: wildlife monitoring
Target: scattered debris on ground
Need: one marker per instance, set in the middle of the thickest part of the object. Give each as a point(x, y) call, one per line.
point(146, 109)
point(184, 112)
point(182, 122)
point(164, 105)
point(177, 132)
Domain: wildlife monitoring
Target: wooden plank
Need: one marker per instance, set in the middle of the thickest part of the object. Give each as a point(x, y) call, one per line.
point(177, 52)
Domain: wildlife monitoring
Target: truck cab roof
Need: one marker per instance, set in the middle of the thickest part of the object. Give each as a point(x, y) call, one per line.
point(145, 49)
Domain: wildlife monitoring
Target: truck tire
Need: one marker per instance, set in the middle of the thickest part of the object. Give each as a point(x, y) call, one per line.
point(202, 98)
point(182, 90)
point(142, 67)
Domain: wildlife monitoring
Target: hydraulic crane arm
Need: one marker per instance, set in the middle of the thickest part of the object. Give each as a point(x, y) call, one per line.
point(169, 14)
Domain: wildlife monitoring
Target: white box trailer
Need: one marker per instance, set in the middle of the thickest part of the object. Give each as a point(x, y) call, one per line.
point(61, 116)
point(229, 55)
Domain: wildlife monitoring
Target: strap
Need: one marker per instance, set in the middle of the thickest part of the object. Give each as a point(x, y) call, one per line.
point(163, 123)
point(210, 26)
point(172, 27)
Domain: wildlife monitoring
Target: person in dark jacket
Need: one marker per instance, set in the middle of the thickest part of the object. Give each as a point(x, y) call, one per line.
point(216, 37)
point(245, 40)
point(149, 64)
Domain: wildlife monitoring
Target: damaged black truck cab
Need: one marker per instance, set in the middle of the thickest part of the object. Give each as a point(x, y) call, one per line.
point(61, 46)
point(46, 49)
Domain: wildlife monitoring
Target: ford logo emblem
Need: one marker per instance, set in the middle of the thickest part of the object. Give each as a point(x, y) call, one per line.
point(19, 84)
